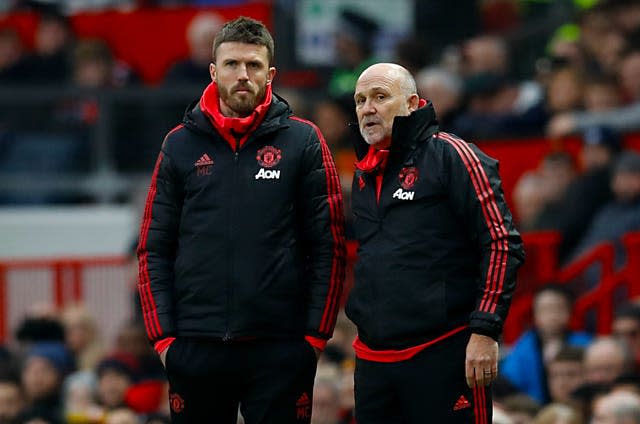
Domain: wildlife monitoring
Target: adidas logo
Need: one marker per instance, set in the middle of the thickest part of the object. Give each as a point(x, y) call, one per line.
point(204, 160)
point(303, 400)
point(461, 403)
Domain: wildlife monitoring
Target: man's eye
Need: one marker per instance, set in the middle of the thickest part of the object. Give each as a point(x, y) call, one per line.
point(380, 97)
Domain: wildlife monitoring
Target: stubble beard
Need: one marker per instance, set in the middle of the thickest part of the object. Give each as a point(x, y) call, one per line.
point(242, 105)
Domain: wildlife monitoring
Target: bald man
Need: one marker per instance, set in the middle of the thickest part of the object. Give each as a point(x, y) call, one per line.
point(436, 264)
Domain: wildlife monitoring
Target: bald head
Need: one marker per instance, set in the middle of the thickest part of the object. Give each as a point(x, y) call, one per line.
point(383, 91)
point(393, 71)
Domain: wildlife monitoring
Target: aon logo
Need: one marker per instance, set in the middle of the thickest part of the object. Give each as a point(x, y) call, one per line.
point(403, 195)
point(268, 174)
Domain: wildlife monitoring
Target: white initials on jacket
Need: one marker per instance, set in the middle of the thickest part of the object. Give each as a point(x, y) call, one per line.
point(268, 174)
point(403, 195)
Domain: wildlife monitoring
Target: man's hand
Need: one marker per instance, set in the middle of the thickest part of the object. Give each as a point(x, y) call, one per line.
point(163, 356)
point(560, 125)
point(481, 365)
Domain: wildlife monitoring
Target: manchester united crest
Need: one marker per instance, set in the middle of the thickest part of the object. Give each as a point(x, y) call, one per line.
point(176, 402)
point(269, 156)
point(408, 177)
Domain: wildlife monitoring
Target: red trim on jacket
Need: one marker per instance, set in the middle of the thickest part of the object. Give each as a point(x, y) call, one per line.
point(334, 198)
point(316, 342)
point(228, 127)
point(163, 344)
point(365, 352)
point(149, 309)
point(375, 161)
point(495, 222)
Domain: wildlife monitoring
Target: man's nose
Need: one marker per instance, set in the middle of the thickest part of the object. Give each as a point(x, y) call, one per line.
point(367, 107)
point(242, 72)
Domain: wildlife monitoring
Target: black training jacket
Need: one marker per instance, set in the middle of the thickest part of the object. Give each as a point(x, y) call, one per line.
point(439, 250)
point(247, 244)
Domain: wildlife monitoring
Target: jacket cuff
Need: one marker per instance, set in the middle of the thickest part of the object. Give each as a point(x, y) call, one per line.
point(486, 324)
point(163, 344)
point(316, 342)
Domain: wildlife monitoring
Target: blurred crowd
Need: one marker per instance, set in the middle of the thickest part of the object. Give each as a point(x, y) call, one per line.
point(585, 82)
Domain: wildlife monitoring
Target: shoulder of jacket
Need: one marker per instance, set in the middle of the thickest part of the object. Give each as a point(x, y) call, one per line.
point(175, 135)
point(305, 125)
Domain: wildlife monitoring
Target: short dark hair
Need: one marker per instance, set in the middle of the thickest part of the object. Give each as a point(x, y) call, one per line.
point(628, 310)
point(245, 30)
point(557, 288)
point(569, 353)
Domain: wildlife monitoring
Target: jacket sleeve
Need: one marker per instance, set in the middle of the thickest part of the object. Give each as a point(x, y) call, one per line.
point(322, 220)
point(156, 249)
point(475, 191)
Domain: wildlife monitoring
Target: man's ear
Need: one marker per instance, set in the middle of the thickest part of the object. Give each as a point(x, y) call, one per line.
point(212, 71)
point(413, 102)
point(271, 75)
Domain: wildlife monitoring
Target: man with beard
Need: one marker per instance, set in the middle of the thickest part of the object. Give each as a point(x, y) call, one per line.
point(241, 249)
point(436, 263)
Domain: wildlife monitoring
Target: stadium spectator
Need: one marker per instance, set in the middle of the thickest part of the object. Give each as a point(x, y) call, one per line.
point(625, 118)
point(557, 171)
point(326, 397)
point(485, 54)
point(526, 364)
point(95, 67)
point(565, 374)
point(520, 408)
point(588, 192)
point(11, 399)
point(354, 51)
point(12, 57)
point(116, 374)
point(195, 69)
point(530, 200)
point(601, 94)
point(445, 90)
point(622, 213)
point(50, 62)
point(617, 408)
point(82, 336)
point(558, 414)
point(46, 365)
point(626, 326)
point(606, 359)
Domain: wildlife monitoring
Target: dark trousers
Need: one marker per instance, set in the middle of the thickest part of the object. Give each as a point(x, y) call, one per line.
point(270, 380)
point(428, 388)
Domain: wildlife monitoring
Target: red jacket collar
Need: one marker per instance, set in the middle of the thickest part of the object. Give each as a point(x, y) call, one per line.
point(228, 127)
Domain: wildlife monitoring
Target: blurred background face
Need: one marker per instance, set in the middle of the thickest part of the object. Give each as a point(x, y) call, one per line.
point(628, 329)
point(112, 387)
point(11, 401)
point(39, 378)
point(630, 76)
point(564, 377)
point(51, 36)
point(564, 92)
point(603, 362)
point(601, 97)
point(551, 313)
point(626, 186)
point(595, 156)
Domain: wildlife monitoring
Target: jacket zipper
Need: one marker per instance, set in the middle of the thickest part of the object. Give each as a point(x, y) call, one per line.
point(236, 157)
